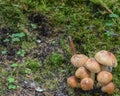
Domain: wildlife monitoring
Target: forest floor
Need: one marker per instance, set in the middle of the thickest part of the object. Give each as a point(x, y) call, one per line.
point(35, 53)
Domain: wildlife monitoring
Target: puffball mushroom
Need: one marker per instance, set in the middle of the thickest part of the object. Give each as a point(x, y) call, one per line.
point(109, 88)
point(107, 59)
point(86, 84)
point(72, 81)
point(104, 77)
point(82, 72)
point(93, 66)
point(79, 60)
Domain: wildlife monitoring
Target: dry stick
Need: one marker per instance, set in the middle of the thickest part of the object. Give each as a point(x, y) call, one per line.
point(71, 44)
point(105, 6)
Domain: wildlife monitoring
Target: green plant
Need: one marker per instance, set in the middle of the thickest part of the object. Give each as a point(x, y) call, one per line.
point(11, 80)
point(11, 84)
point(14, 65)
point(34, 26)
point(21, 53)
point(113, 15)
point(17, 36)
point(33, 64)
point(4, 52)
point(6, 40)
point(110, 24)
point(27, 70)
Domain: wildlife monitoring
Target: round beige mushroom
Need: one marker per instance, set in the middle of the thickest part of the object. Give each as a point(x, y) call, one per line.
point(72, 81)
point(92, 65)
point(86, 84)
point(79, 60)
point(109, 88)
point(104, 77)
point(106, 58)
point(82, 72)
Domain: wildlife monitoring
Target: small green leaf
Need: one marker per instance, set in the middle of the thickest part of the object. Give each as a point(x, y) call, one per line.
point(21, 34)
point(6, 40)
point(21, 53)
point(13, 35)
point(12, 86)
point(16, 5)
point(34, 26)
point(4, 52)
point(109, 33)
point(27, 71)
point(113, 15)
point(15, 39)
point(14, 65)
point(11, 79)
point(109, 24)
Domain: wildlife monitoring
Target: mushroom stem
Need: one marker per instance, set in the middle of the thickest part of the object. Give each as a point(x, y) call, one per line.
point(107, 68)
point(92, 75)
point(98, 85)
point(111, 69)
point(71, 44)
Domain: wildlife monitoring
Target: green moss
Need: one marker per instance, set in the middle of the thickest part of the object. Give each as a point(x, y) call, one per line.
point(55, 59)
point(11, 16)
point(33, 64)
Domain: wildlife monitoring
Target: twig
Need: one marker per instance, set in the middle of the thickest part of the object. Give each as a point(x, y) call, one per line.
point(105, 6)
point(71, 44)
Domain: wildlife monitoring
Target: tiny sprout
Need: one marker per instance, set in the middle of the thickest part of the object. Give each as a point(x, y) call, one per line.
point(11, 80)
point(14, 65)
point(4, 52)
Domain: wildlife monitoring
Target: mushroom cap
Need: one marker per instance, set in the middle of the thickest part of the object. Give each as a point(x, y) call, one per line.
point(104, 77)
point(82, 72)
point(78, 60)
point(109, 88)
point(106, 58)
point(86, 84)
point(114, 60)
point(72, 81)
point(92, 65)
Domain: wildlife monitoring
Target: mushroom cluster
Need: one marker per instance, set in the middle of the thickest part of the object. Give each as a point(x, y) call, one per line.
point(92, 72)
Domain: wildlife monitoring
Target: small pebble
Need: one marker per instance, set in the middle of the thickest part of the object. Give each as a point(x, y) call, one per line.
point(32, 85)
point(38, 89)
point(38, 41)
